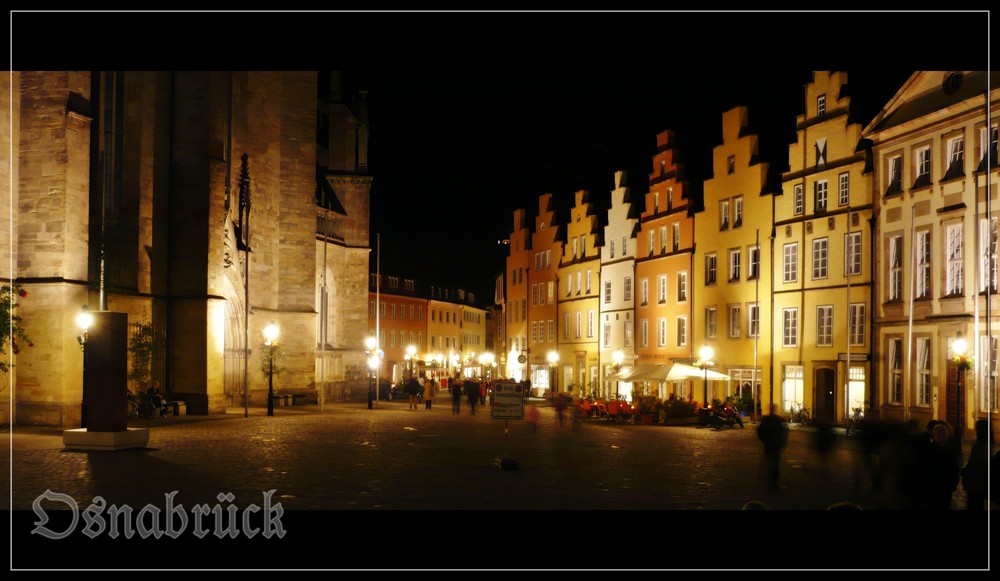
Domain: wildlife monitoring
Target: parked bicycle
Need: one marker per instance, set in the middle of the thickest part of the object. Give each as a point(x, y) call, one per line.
point(854, 423)
point(798, 414)
point(139, 406)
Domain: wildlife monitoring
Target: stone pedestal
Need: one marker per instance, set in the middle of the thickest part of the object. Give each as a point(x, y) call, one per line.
point(82, 439)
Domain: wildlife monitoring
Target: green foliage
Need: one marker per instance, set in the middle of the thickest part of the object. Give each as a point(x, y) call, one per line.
point(745, 403)
point(11, 324)
point(678, 408)
point(141, 346)
point(266, 360)
point(647, 404)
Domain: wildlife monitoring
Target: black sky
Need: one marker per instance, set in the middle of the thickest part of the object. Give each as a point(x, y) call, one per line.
point(453, 154)
point(488, 116)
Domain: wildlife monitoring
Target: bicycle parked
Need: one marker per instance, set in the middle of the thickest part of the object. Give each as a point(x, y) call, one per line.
point(798, 414)
point(140, 406)
point(854, 423)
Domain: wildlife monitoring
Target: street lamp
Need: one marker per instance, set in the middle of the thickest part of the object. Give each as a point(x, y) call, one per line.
point(553, 358)
point(486, 360)
point(411, 358)
point(959, 347)
point(84, 320)
point(705, 353)
point(617, 357)
point(270, 336)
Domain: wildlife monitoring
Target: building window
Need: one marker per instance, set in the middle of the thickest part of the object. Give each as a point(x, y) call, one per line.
point(852, 264)
point(734, 265)
point(682, 331)
point(579, 283)
point(676, 235)
point(607, 292)
point(628, 333)
point(753, 255)
point(576, 248)
point(628, 288)
point(589, 277)
point(534, 332)
point(923, 264)
point(923, 371)
point(392, 310)
point(384, 306)
point(607, 334)
point(824, 326)
point(734, 321)
point(656, 197)
point(731, 165)
point(682, 286)
point(988, 252)
point(987, 144)
point(798, 200)
point(790, 262)
point(661, 335)
point(670, 191)
point(569, 285)
point(624, 246)
point(895, 371)
point(820, 191)
point(566, 326)
point(724, 215)
point(644, 333)
point(551, 292)
point(662, 293)
point(711, 322)
point(819, 259)
point(792, 386)
point(371, 308)
point(895, 175)
point(790, 327)
point(663, 239)
point(711, 266)
point(590, 324)
point(896, 268)
point(737, 211)
point(953, 250)
point(552, 330)
point(922, 167)
point(652, 241)
point(420, 313)
point(644, 292)
point(820, 151)
point(534, 295)
point(856, 327)
point(821, 105)
point(753, 320)
point(844, 189)
point(579, 324)
point(955, 158)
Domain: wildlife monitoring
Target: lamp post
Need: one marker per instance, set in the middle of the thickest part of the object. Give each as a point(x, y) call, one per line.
point(706, 353)
point(84, 320)
point(553, 358)
point(617, 357)
point(372, 360)
point(270, 336)
point(959, 347)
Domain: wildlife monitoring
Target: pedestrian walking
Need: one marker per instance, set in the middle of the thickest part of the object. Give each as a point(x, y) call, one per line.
point(429, 391)
point(976, 470)
point(938, 470)
point(560, 404)
point(456, 395)
point(413, 391)
point(472, 393)
point(773, 433)
point(531, 416)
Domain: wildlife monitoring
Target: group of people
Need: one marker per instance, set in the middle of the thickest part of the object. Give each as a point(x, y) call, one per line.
point(910, 467)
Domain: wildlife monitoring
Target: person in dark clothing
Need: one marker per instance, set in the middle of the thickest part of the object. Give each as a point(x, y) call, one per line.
point(472, 393)
point(974, 474)
point(455, 386)
point(773, 433)
point(155, 398)
point(938, 470)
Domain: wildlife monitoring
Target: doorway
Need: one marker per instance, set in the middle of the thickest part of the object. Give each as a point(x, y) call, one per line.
point(824, 395)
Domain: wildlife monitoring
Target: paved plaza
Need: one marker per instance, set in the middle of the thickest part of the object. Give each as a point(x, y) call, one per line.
point(359, 462)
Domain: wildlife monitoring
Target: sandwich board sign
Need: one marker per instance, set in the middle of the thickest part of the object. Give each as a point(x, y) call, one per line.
point(507, 402)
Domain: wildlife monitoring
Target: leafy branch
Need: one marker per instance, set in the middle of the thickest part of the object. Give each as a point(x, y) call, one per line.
point(11, 324)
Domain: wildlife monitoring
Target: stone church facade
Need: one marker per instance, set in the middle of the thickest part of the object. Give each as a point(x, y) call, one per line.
point(205, 204)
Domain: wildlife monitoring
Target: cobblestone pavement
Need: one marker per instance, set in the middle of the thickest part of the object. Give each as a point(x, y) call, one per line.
point(350, 457)
point(376, 473)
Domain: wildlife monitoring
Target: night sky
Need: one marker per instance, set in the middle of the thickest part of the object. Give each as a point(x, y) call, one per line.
point(453, 154)
point(485, 120)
